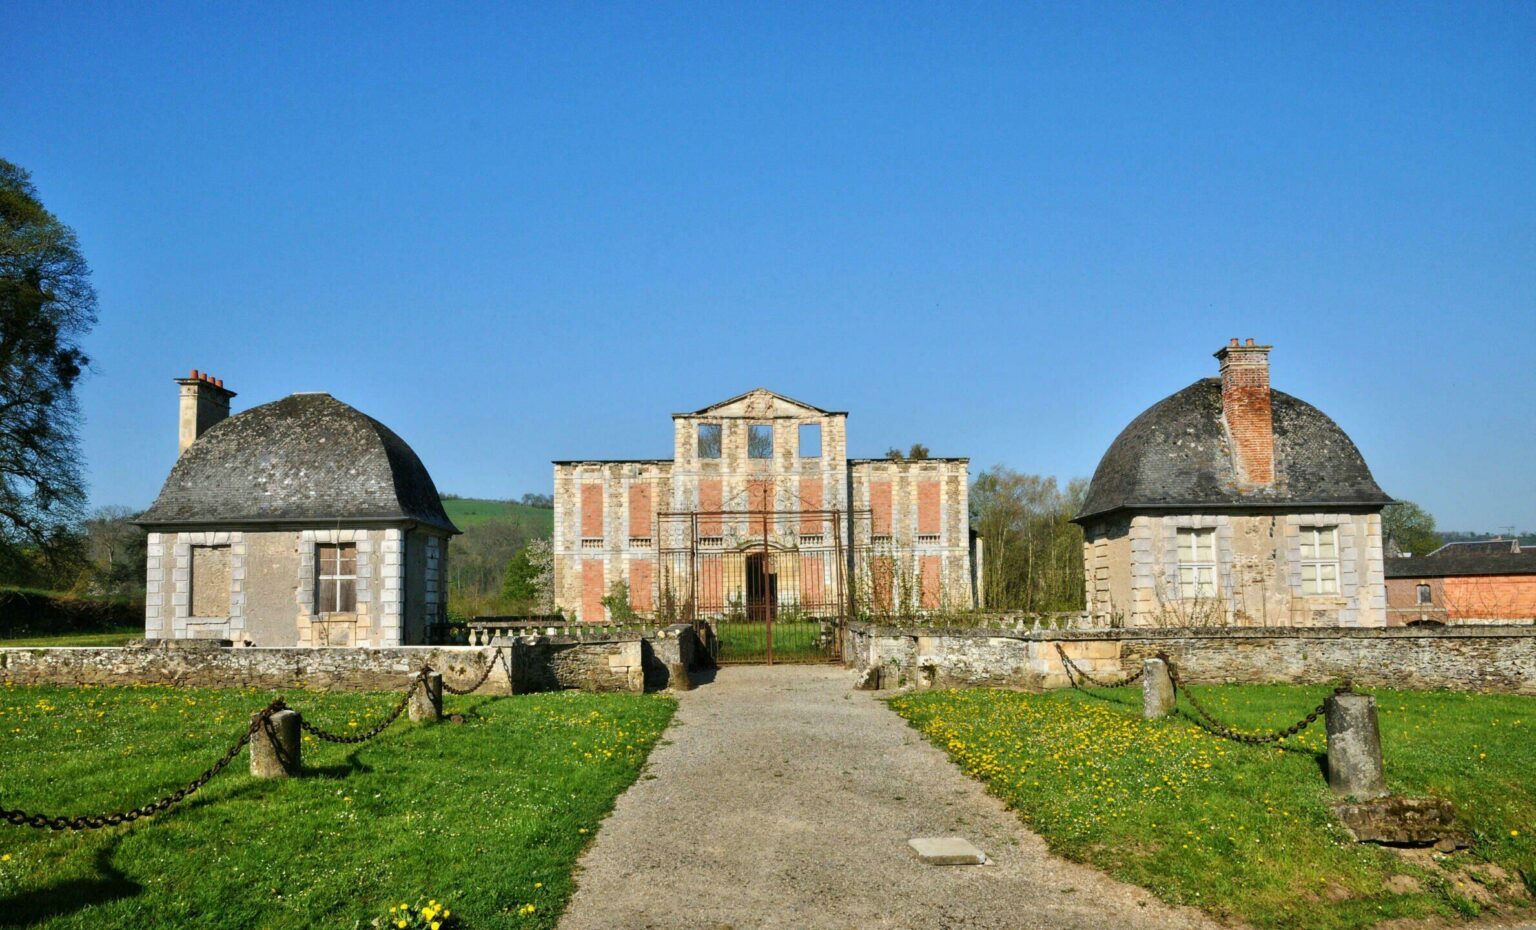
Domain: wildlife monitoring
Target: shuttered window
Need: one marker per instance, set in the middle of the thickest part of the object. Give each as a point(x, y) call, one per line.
point(1319, 560)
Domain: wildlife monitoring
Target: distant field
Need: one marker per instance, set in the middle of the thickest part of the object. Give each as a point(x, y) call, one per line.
point(114, 637)
point(467, 512)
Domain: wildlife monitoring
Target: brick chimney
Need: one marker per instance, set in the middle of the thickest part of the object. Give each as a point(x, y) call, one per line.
point(1245, 405)
point(204, 403)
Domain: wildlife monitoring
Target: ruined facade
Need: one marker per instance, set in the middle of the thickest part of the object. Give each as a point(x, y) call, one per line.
point(761, 512)
point(302, 522)
point(1233, 504)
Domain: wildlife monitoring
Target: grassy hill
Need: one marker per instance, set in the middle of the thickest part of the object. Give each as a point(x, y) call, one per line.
point(467, 512)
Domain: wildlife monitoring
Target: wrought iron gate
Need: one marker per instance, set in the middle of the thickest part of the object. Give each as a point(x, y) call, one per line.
point(775, 586)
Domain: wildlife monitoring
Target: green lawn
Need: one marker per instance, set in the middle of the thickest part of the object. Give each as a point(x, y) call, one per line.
point(1244, 832)
point(486, 817)
point(793, 641)
point(115, 637)
point(466, 512)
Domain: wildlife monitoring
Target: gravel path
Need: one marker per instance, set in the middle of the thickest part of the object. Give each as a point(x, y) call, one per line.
point(785, 799)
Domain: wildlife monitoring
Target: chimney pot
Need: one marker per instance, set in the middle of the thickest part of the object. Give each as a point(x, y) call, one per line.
point(1250, 340)
point(204, 403)
point(1233, 342)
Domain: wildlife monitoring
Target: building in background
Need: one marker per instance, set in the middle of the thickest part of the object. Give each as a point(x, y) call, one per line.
point(302, 522)
point(1230, 503)
point(1487, 581)
point(760, 513)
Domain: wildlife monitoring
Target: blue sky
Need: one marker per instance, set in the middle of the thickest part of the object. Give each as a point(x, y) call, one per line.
point(516, 233)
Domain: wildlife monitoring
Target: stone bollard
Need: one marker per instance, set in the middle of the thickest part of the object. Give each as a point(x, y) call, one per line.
point(427, 699)
point(1157, 695)
point(275, 745)
point(677, 677)
point(1354, 746)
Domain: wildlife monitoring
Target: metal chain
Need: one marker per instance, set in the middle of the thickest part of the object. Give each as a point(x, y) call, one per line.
point(88, 822)
point(1073, 673)
point(418, 682)
point(1252, 739)
point(497, 655)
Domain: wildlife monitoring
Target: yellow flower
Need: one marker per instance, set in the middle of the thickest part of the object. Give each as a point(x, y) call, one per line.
point(1511, 833)
point(435, 925)
point(400, 924)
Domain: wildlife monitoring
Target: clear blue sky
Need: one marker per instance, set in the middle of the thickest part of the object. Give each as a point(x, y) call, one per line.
point(519, 233)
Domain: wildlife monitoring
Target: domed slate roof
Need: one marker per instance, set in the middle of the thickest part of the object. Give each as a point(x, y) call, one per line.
point(303, 459)
point(1177, 455)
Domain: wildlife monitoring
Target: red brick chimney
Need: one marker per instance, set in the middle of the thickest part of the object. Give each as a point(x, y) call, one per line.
point(1245, 404)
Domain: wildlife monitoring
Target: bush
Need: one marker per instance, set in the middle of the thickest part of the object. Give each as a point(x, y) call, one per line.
point(27, 612)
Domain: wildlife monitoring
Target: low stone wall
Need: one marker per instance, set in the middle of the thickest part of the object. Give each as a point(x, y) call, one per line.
point(1481, 658)
point(538, 663)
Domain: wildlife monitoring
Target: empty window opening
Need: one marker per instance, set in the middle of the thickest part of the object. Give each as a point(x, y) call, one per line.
point(337, 590)
point(1425, 597)
point(709, 440)
point(759, 442)
point(810, 440)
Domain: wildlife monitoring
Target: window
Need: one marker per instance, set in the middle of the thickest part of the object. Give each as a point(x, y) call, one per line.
point(810, 440)
point(759, 442)
point(210, 581)
point(337, 590)
point(1319, 560)
point(709, 440)
point(1425, 597)
point(1197, 563)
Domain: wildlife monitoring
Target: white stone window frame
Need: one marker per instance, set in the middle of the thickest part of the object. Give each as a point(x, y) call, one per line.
point(320, 577)
point(1321, 568)
point(1197, 573)
point(1424, 594)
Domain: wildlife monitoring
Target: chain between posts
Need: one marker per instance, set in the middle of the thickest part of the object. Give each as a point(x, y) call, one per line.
point(1252, 739)
point(89, 822)
point(263, 719)
point(498, 656)
point(1073, 673)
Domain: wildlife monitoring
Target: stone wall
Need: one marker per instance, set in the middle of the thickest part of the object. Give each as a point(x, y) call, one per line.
point(1469, 658)
point(538, 662)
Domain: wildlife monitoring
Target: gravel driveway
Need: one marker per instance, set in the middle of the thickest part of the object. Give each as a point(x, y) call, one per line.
point(785, 799)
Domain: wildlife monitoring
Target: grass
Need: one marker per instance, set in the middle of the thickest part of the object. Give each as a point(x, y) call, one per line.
point(486, 817)
point(466, 512)
point(1245, 832)
point(793, 641)
point(115, 637)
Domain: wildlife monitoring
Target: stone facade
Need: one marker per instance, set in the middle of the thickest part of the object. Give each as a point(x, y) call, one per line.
point(1471, 658)
point(766, 478)
point(1132, 568)
point(269, 589)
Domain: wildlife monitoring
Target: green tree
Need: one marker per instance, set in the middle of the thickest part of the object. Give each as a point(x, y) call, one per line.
point(1032, 552)
point(1409, 529)
point(47, 305)
point(520, 586)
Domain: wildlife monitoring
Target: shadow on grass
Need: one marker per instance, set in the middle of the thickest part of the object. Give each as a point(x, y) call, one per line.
point(67, 897)
point(1113, 698)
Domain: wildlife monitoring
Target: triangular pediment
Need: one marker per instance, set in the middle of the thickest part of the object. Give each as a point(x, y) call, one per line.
point(759, 403)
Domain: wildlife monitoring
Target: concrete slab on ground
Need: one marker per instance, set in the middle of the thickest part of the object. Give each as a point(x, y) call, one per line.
point(783, 798)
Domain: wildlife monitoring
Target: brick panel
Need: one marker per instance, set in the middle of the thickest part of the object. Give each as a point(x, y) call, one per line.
point(592, 589)
point(710, 498)
point(813, 581)
point(882, 576)
point(641, 578)
point(933, 588)
point(927, 507)
point(641, 510)
point(710, 586)
point(811, 499)
point(760, 500)
point(880, 508)
point(591, 510)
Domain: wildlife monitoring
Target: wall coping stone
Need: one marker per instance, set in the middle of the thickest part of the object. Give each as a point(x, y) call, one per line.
point(1470, 631)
